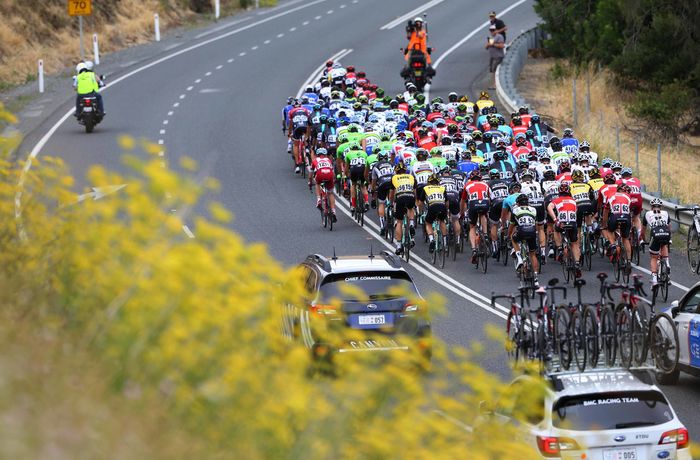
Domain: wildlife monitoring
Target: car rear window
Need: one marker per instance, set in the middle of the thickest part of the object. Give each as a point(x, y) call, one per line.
point(367, 286)
point(607, 411)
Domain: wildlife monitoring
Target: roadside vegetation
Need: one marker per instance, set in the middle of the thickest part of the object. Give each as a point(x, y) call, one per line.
point(35, 30)
point(125, 338)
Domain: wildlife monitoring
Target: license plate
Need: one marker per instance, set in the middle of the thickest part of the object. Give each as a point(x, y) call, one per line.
point(418, 73)
point(620, 454)
point(371, 319)
point(87, 109)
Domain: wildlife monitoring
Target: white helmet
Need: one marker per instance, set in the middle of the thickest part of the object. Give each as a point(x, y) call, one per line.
point(81, 66)
point(89, 65)
point(418, 19)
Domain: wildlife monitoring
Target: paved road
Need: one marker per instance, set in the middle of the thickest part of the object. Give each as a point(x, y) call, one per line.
point(220, 103)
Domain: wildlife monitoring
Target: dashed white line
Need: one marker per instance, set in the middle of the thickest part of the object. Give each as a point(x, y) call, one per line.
point(161, 142)
point(254, 47)
point(162, 131)
point(342, 6)
point(207, 74)
point(199, 80)
point(219, 67)
point(165, 122)
point(280, 35)
point(161, 153)
point(292, 29)
point(329, 12)
point(177, 104)
point(190, 88)
point(305, 23)
point(182, 96)
point(187, 231)
point(230, 60)
point(242, 53)
point(318, 17)
point(267, 42)
point(170, 113)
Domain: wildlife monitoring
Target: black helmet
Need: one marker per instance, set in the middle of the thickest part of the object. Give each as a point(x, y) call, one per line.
point(522, 200)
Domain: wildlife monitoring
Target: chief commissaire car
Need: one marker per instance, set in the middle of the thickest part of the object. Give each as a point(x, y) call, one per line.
point(358, 304)
point(686, 315)
point(602, 414)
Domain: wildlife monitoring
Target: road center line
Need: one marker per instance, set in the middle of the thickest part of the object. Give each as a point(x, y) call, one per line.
point(410, 14)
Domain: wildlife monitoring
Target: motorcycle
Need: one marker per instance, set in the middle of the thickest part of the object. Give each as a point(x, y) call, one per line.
point(416, 71)
point(90, 115)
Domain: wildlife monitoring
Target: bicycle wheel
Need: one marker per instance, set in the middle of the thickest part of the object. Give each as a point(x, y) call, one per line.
point(608, 335)
point(587, 249)
point(515, 343)
point(483, 255)
point(617, 268)
point(640, 335)
point(442, 254)
point(562, 336)
point(541, 348)
point(433, 256)
point(590, 335)
point(634, 245)
point(407, 248)
point(504, 251)
point(324, 213)
point(565, 263)
point(579, 342)
point(693, 249)
point(664, 344)
point(623, 320)
point(664, 281)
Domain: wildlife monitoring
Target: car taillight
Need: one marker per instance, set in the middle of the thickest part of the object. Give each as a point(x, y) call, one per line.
point(88, 101)
point(551, 446)
point(409, 307)
point(323, 310)
point(679, 437)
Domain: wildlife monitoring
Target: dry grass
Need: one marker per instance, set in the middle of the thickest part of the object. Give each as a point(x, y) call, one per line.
point(551, 97)
point(42, 29)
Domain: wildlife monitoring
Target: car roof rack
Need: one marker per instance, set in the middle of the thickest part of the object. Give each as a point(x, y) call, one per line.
point(321, 261)
point(644, 373)
point(391, 258)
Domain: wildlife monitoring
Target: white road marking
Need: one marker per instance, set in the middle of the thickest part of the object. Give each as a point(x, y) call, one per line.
point(230, 60)
point(451, 49)
point(161, 142)
point(329, 12)
point(318, 17)
point(165, 122)
point(162, 131)
point(242, 53)
point(190, 88)
point(280, 35)
point(219, 67)
point(305, 23)
point(648, 272)
point(409, 15)
point(220, 28)
point(170, 113)
point(254, 47)
point(342, 6)
point(187, 231)
point(161, 153)
point(182, 96)
point(266, 42)
point(207, 74)
point(454, 421)
point(199, 80)
point(292, 29)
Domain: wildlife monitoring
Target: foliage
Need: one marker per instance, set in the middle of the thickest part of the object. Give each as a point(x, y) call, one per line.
point(651, 45)
point(190, 328)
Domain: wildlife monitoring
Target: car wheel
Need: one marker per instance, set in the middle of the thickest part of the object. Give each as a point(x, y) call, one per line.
point(667, 379)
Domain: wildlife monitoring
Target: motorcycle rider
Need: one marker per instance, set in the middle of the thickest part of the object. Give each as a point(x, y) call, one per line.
point(87, 84)
point(417, 42)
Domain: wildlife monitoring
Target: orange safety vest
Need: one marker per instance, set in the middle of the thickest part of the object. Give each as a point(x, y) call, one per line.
point(419, 40)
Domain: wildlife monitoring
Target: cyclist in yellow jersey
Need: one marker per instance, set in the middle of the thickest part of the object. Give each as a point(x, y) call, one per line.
point(596, 183)
point(403, 195)
point(484, 101)
point(437, 209)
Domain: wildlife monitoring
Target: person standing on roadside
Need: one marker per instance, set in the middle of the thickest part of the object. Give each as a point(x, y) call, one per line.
point(500, 25)
point(495, 45)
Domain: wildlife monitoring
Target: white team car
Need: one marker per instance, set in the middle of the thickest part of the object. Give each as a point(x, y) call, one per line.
point(686, 315)
point(608, 414)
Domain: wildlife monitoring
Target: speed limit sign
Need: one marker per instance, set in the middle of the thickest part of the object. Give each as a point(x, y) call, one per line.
point(79, 7)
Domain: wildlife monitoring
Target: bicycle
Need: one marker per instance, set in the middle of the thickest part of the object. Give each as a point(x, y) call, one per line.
point(663, 280)
point(693, 242)
point(439, 253)
point(607, 326)
point(621, 263)
point(588, 245)
point(568, 264)
point(406, 240)
point(634, 246)
point(389, 220)
point(519, 341)
point(504, 245)
point(526, 273)
point(359, 204)
point(586, 339)
point(545, 333)
point(483, 247)
point(451, 247)
point(326, 211)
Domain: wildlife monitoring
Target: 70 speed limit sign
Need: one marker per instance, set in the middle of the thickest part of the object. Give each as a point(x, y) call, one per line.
point(79, 7)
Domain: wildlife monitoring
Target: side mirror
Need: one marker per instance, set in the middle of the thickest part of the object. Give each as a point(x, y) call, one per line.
point(675, 309)
point(485, 408)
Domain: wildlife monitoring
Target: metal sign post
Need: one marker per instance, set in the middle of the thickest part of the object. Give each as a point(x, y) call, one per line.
point(80, 8)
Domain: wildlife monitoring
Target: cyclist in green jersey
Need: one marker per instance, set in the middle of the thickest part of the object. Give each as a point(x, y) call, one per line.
point(356, 164)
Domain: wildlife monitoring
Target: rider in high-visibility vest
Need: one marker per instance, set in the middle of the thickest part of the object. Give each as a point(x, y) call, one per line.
point(418, 40)
point(87, 84)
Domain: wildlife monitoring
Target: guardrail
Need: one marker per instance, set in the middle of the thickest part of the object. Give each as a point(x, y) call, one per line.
point(506, 86)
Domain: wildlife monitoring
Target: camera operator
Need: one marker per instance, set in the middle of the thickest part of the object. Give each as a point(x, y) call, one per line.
point(417, 38)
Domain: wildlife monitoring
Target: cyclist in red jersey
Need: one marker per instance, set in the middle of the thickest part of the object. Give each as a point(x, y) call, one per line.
point(476, 199)
point(563, 211)
point(635, 186)
point(299, 129)
point(322, 167)
point(617, 213)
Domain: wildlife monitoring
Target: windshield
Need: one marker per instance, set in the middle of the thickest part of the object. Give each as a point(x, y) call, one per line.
point(606, 411)
point(367, 286)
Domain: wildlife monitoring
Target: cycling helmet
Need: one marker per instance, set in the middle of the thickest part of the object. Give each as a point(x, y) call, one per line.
point(475, 175)
point(535, 119)
point(522, 200)
point(361, 74)
point(624, 188)
point(483, 169)
point(514, 187)
point(616, 165)
point(526, 173)
point(488, 137)
point(457, 137)
point(544, 156)
point(363, 99)
point(323, 118)
point(477, 135)
point(353, 128)
point(523, 110)
point(568, 132)
point(523, 162)
point(577, 175)
point(532, 156)
point(484, 95)
point(304, 99)
point(494, 174)
point(418, 19)
point(446, 140)
point(452, 163)
point(520, 140)
point(529, 134)
point(393, 104)
point(564, 166)
point(350, 92)
point(354, 146)
point(656, 202)
point(471, 143)
point(445, 170)
point(350, 69)
point(584, 147)
point(609, 178)
point(343, 138)
point(420, 97)
point(434, 179)
point(549, 174)
point(383, 155)
point(400, 168)
point(440, 123)
point(380, 92)
point(357, 106)
point(516, 120)
point(564, 189)
point(500, 155)
point(626, 172)
point(594, 173)
point(452, 129)
point(329, 63)
point(331, 121)
point(421, 153)
point(321, 151)
point(435, 151)
point(80, 67)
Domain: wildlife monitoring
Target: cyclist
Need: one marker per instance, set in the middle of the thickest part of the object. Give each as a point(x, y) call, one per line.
point(502, 164)
point(523, 230)
point(437, 210)
point(421, 170)
point(499, 192)
point(569, 142)
point(323, 172)
point(533, 190)
point(355, 164)
point(617, 214)
point(382, 172)
point(452, 197)
point(584, 196)
point(563, 211)
point(298, 130)
point(476, 200)
point(658, 221)
point(403, 195)
point(636, 195)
